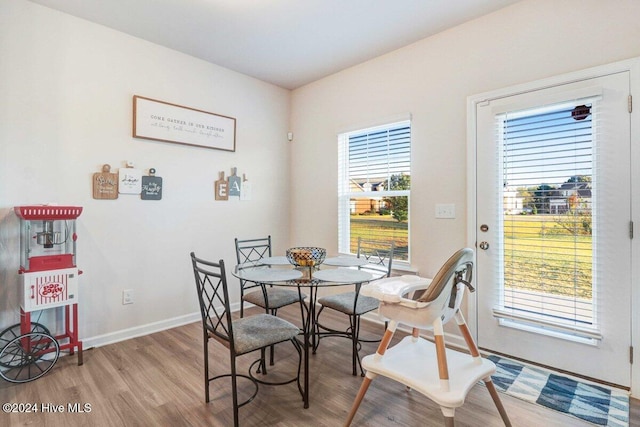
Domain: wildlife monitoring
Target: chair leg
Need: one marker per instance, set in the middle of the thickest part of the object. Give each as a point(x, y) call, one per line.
point(234, 392)
point(272, 349)
point(206, 366)
point(496, 399)
point(441, 355)
point(449, 416)
point(466, 333)
point(382, 348)
point(241, 299)
point(473, 349)
point(356, 403)
point(355, 327)
point(263, 361)
point(315, 339)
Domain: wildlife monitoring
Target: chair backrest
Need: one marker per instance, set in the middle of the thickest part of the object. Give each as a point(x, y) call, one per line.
point(447, 287)
point(420, 302)
point(213, 296)
point(253, 249)
point(379, 255)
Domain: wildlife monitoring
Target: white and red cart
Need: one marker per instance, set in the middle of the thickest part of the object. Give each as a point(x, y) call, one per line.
point(49, 279)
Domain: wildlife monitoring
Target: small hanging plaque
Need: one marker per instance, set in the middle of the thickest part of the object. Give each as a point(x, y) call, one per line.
point(151, 186)
point(245, 189)
point(222, 188)
point(234, 183)
point(129, 180)
point(105, 184)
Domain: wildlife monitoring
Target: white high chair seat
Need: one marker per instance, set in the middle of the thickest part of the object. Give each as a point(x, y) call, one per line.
point(413, 363)
point(441, 374)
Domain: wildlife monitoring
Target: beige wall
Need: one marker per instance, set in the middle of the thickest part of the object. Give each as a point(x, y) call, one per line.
point(431, 80)
point(66, 89)
point(65, 109)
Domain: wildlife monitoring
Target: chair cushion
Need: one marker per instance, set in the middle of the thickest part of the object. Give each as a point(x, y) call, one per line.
point(278, 297)
point(344, 303)
point(259, 331)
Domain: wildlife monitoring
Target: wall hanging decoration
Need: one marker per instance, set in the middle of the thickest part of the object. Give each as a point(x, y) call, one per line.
point(221, 188)
point(105, 184)
point(234, 183)
point(129, 180)
point(245, 189)
point(232, 186)
point(151, 186)
point(162, 121)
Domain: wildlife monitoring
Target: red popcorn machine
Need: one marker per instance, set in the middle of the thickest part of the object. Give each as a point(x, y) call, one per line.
point(49, 279)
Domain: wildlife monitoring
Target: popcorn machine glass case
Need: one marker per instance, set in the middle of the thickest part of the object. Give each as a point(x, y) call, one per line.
point(48, 256)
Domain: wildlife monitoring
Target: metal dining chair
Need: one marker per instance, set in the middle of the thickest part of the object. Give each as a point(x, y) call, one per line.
point(240, 336)
point(265, 296)
point(443, 375)
point(379, 257)
point(268, 297)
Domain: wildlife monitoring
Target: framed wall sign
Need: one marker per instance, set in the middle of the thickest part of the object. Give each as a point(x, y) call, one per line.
point(162, 121)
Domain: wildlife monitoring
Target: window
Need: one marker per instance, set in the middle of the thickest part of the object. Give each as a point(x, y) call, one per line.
point(547, 156)
point(373, 187)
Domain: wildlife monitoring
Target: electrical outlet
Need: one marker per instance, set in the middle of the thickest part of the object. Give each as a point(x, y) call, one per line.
point(127, 296)
point(445, 210)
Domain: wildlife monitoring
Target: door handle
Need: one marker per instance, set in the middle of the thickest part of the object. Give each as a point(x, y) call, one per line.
point(484, 246)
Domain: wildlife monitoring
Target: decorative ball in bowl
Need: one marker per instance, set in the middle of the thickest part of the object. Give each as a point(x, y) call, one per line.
point(306, 256)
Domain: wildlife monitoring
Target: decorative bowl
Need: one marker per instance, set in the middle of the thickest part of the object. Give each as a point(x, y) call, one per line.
point(306, 256)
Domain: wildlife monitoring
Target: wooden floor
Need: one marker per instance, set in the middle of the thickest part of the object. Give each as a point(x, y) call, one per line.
point(156, 380)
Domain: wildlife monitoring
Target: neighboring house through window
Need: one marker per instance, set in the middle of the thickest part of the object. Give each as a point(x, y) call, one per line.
point(374, 185)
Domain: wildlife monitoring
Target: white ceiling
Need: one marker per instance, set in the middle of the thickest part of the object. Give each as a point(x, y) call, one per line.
point(285, 42)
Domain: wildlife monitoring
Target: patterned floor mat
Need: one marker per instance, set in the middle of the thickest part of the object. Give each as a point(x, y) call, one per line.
point(596, 404)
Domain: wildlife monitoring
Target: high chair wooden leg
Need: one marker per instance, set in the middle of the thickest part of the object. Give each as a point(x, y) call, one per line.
point(449, 416)
point(473, 349)
point(443, 368)
point(464, 330)
point(496, 399)
point(386, 338)
point(382, 348)
point(356, 403)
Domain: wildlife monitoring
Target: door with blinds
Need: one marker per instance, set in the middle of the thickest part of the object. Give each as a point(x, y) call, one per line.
point(553, 226)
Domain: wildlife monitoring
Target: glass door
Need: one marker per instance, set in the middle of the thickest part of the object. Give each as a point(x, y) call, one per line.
point(553, 227)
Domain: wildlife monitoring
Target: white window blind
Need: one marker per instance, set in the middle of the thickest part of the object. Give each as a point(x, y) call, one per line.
point(548, 176)
point(374, 186)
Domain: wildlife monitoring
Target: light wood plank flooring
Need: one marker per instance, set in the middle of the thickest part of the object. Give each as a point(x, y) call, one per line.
point(156, 380)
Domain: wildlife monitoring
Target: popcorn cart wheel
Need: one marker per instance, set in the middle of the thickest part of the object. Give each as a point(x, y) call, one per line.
point(27, 357)
point(14, 331)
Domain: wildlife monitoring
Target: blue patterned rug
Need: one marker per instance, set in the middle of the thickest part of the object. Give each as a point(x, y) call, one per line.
point(592, 403)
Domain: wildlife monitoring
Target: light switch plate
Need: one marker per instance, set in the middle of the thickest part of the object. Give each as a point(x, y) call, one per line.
point(445, 210)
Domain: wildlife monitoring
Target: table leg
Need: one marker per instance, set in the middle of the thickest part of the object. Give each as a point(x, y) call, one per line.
point(308, 331)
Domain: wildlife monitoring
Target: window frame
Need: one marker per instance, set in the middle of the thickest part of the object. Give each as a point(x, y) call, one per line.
point(346, 194)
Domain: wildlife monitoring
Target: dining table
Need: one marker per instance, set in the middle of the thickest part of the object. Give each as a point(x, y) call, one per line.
point(333, 271)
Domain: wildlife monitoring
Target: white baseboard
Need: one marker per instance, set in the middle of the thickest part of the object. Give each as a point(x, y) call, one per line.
point(452, 340)
point(138, 331)
point(149, 328)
